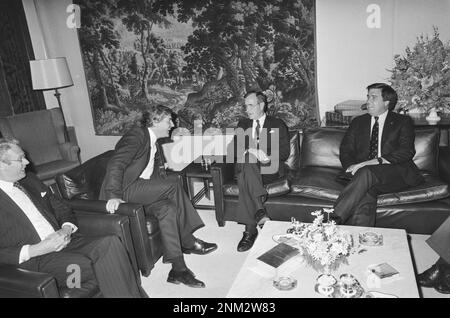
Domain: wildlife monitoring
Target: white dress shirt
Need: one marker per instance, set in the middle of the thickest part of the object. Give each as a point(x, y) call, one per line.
point(39, 222)
point(381, 120)
point(262, 119)
point(148, 171)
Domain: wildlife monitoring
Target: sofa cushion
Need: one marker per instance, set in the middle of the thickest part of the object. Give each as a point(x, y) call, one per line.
point(319, 183)
point(84, 181)
point(320, 147)
point(432, 189)
point(276, 188)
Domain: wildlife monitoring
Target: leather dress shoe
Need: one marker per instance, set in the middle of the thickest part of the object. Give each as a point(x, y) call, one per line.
point(247, 241)
point(261, 217)
point(200, 247)
point(429, 277)
point(184, 277)
point(443, 283)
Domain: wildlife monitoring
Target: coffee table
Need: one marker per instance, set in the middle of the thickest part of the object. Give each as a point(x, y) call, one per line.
point(255, 279)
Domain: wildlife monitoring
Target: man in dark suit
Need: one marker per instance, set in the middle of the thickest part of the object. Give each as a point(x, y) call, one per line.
point(376, 152)
point(438, 275)
point(260, 145)
point(38, 233)
point(136, 173)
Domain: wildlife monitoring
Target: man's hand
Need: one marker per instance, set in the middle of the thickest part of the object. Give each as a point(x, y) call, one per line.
point(259, 154)
point(354, 168)
point(66, 231)
point(113, 204)
point(52, 243)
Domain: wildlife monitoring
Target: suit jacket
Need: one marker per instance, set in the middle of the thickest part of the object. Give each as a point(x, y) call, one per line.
point(397, 144)
point(130, 158)
point(270, 123)
point(16, 229)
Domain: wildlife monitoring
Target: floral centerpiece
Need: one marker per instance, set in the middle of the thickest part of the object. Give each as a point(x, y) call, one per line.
point(422, 77)
point(322, 243)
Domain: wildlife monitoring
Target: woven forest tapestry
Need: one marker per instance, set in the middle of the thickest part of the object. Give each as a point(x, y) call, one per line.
point(199, 58)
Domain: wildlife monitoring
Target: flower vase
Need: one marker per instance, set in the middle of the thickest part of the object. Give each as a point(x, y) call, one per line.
point(433, 118)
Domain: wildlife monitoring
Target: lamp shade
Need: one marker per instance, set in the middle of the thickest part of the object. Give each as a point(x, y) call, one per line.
point(50, 73)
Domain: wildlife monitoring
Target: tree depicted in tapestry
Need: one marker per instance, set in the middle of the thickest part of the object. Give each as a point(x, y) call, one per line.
point(199, 58)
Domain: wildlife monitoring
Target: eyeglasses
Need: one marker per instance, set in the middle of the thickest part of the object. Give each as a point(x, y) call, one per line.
point(20, 159)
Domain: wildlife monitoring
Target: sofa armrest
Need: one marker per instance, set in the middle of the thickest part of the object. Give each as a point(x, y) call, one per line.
point(444, 163)
point(69, 151)
point(220, 173)
point(16, 282)
point(138, 227)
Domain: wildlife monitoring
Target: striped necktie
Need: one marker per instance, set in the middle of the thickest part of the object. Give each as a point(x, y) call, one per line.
point(373, 150)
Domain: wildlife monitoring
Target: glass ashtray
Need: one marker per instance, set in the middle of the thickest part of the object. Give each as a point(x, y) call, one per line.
point(289, 239)
point(371, 239)
point(285, 283)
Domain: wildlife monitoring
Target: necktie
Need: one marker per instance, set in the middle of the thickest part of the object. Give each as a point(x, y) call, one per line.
point(21, 188)
point(257, 132)
point(159, 162)
point(52, 222)
point(373, 150)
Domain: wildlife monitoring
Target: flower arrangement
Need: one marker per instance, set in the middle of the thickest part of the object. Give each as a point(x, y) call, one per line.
point(422, 77)
point(323, 244)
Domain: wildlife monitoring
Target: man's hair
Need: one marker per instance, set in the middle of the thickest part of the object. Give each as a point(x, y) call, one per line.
point(260, 97)
point(387, 92)
point(155, 115)
point(5, 145)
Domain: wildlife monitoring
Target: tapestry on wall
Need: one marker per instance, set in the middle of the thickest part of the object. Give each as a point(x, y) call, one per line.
point(198, 58)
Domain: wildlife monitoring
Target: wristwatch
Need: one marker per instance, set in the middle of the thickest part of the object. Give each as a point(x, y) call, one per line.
point(380, 160)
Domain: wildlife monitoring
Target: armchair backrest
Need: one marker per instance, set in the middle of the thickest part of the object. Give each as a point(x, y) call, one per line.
point(40, 133)
point(84, 181)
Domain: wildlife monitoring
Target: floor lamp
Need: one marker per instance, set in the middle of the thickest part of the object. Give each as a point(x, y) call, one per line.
point(50, 74)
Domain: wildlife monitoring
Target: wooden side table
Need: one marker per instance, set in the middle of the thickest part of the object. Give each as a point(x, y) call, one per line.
point(197, 171)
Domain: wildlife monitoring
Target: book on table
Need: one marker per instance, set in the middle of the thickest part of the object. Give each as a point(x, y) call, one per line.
point(278, 255)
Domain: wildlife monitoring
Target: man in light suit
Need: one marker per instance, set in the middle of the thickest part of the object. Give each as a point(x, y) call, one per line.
point(38, 233)
point(258, 162)
point(136, 173)
point(377, 154)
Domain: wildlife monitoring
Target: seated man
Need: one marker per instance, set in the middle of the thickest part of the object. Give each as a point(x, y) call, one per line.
point(438, 275)
point(136, 173)
point(259, 161)
point(38, 233)
point(377, 152)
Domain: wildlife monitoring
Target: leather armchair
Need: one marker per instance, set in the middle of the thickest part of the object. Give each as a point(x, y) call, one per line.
point(81, 186)
point(41, 135)
point(312, 169)
point(19, 283)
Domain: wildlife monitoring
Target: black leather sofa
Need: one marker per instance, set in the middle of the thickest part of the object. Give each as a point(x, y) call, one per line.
point(81, 187)
point(20, 283)
point(310, 183)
